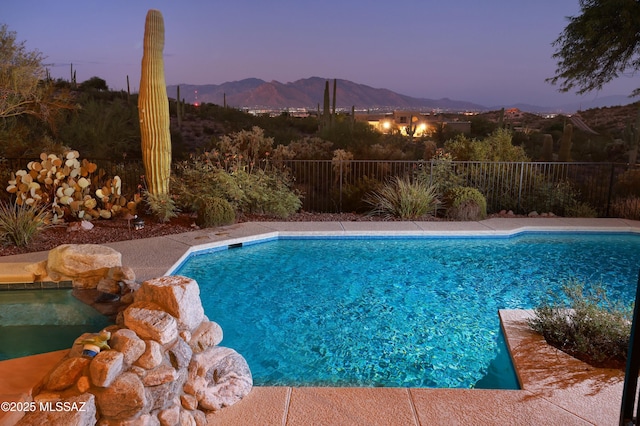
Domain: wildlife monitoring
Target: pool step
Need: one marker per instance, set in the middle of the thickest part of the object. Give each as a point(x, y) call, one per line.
point(16, 273)
point(28, 276)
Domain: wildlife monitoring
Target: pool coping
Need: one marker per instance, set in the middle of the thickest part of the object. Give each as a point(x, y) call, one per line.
point(557, 393)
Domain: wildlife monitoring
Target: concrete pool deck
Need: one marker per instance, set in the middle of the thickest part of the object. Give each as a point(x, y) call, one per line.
point(556, 389)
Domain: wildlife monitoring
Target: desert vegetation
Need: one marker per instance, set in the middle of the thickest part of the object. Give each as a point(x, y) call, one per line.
point(586, 324)
point(79, 151)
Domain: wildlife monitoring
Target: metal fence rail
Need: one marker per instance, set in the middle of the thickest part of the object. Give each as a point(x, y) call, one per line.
point(339, 186)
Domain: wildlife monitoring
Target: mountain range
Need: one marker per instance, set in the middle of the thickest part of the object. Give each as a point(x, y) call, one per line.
point(308, 93)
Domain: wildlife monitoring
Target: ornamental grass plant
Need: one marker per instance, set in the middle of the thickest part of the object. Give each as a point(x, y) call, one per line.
point(403, 198)
point(20, 224)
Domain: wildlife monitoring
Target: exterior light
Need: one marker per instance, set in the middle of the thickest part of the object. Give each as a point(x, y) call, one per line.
point(138, 222)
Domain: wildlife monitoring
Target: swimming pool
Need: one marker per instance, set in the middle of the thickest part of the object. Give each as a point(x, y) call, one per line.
point(38, 321)
point(408, 312)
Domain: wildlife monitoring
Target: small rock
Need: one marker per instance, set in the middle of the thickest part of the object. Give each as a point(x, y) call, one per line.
point(160, 375)
point(83, 384)
point(189, 402)
point(180, 354)
point(152, 356)
point(108, 285)
point(66, 374)
point(84, 225)
point(105, 367)
point(169, 416)
point(127, 342)
point(207, 335)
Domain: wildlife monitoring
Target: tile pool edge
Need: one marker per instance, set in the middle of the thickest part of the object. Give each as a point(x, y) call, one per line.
point(418, 232)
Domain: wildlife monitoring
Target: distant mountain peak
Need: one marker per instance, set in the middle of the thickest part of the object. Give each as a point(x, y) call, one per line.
point(309, 93)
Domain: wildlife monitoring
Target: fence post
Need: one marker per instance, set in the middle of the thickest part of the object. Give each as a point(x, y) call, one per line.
point(520, 184)
point(340, 188)
point(613, 167)
point(431, 172)
point(633, 367)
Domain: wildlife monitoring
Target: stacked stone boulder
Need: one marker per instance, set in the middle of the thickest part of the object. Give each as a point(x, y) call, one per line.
point(87, 266)
point(165, 366)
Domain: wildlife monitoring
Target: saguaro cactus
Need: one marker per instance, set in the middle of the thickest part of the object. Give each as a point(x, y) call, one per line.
point(547, 147)
point(326, 113)
point(632, 138)
point(565, 143)
point(153, 107)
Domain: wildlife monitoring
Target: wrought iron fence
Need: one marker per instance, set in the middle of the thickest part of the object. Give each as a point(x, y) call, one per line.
point(612, 190)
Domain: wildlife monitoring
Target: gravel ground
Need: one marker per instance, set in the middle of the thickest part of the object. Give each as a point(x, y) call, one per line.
point(106, 231)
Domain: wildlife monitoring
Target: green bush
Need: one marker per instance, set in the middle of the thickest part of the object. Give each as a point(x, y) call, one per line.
point(497, 146)
point(215, 211)
point(20, 224)
point(579, 209)
point(404, 199)
point(465, 203)
point(626, 208)
point(589, 327)
point(628, 183)
point(162, 206)
point(354, 194)
point(248, 190)
point(441, 172)
point(560, 198)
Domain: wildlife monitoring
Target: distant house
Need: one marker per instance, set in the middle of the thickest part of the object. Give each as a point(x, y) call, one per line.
point(406, 121)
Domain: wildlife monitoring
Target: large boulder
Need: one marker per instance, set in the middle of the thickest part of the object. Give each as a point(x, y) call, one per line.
point(149, 321)
point(124, 398)
point(177, 295)
point(78, 411)
point(218, 377)
point(84, 264)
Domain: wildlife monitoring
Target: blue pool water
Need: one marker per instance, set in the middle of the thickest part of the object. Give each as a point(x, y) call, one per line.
point(409, 312)
point(38, 321)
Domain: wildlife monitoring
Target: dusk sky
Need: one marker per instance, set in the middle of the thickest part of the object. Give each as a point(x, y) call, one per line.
point(491, 52)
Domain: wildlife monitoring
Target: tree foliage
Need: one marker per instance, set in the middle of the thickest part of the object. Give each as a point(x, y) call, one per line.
point(598, 46)
point(497, 146)
point(23, 89)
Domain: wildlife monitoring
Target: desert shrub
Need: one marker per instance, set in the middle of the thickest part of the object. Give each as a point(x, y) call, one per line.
point(465, 203)
point(440, 172)
point(628, 183)
point(215, 211)
point(20, 224)
point(561, 198)
point(263, 192)
point(497, 146)
point(585, 324)
point(161, 206)
point(580, 209)
point(249, 190)
point(402, 198)
point(354, 194)
point(626, 208)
